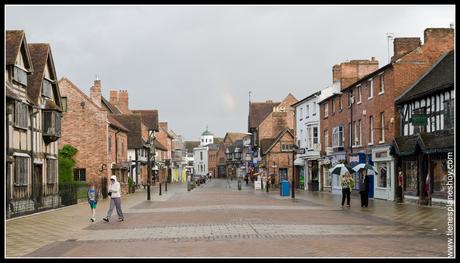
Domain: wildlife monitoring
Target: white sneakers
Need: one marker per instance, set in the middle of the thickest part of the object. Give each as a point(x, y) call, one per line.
point(93, 219)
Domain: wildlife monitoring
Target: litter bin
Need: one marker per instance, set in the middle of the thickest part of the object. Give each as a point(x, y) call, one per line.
point(285, 188)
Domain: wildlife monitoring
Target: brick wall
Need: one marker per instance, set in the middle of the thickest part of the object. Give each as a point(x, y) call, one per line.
point(281, 159)
point(85, 128)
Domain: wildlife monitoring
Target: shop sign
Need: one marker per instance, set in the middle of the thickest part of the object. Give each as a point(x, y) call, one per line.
point(419, 119)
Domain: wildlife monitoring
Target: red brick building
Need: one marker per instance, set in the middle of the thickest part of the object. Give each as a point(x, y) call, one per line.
point(101, 141)
point(370, 122)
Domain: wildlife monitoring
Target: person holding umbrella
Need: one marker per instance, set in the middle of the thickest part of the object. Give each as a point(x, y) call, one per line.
point(346, 188)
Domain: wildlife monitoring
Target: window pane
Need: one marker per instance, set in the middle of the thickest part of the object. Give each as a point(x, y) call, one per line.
point(64, 104)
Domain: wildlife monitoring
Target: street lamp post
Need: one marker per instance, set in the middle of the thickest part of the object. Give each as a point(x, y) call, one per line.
point(294, 149)
point(151, 151)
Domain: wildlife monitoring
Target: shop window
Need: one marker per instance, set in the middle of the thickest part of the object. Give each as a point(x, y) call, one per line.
point(439, 177)
point(383, 169)
point(410, 171)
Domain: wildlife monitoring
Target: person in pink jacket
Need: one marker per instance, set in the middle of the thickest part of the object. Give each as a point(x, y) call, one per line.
point(115, 201)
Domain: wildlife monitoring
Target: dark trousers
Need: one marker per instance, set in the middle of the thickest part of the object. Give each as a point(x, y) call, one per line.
point(364, 198)
point(346, 193)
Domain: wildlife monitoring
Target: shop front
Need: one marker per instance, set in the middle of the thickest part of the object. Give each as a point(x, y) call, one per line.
point(384, 163)
point(300, 172)
point(313, 181)
point(355, 159)
point(423, 160)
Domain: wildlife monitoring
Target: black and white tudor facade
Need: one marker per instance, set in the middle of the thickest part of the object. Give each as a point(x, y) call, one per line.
point(427, 133)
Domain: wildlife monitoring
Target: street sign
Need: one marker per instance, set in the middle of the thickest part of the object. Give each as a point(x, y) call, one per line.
point(419, 120)
point(301, 151)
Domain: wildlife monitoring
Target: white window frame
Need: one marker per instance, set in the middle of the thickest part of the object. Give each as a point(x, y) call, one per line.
point(370, 85)
point(371, 130)
point(382, 84)
point(382, 124)
point(326, 138)
point(301, 113)
point(336, 131)
point(326, 109)
point(360, 93)
point(313, 135)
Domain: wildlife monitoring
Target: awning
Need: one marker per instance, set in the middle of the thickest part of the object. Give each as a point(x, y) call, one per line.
point(428, 143)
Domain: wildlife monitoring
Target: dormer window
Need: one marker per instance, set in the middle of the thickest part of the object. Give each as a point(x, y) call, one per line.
point(47, 88)
point(20, 75)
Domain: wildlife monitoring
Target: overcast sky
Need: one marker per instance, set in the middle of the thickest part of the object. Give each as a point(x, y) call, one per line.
point(196, 64)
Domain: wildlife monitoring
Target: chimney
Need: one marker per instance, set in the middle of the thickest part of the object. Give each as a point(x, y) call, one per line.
point(404, 45)
point(95, 92)
point(113, 97)
point(123, 101)
point(438, 35)
point(336, 73)
point(268, 101)
point(350, 71)
point(164, 125)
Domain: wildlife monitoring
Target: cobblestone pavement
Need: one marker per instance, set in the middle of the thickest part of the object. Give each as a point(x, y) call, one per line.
point(218, 220)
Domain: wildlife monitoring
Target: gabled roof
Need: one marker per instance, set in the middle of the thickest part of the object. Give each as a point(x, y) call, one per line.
point(149, 118)
point(275, 140)
point(159, 146)
point(306, 98)
point(15, 40)
point(189, 145)
point(234, 136)
point(218, 140)
point(133, 123)
point(109, 106)
point(438, 78)
point(258, 111)
point(164, 128)
point(113, 121)
point(72, 85)
point(41, 57)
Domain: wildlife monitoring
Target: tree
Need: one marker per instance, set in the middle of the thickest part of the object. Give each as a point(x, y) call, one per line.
point(66, 163)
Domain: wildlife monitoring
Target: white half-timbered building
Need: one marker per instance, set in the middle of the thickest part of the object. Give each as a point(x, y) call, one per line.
point(33, 118)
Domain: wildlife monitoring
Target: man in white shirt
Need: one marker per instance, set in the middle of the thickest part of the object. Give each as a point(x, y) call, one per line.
point(115, 200)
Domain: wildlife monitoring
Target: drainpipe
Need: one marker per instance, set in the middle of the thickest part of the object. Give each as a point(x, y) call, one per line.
point(116, 147)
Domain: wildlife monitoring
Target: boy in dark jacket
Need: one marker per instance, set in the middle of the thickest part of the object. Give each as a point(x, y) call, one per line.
point(364, 188)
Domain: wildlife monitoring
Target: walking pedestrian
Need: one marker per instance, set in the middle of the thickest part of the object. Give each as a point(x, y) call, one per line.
point(115, 199)
point(346, 190)
point(246, 178)
point(364, 188)
point(401, 185)
point(93, 196)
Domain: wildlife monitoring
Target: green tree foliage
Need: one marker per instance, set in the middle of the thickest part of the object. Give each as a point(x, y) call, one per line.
point(66, 163)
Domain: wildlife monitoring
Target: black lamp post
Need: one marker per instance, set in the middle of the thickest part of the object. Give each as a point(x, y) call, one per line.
point(228, 155)
point(294, 149)
point(151, 151)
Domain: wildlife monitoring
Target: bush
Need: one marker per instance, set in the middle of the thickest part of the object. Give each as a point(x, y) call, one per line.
point(66, 163)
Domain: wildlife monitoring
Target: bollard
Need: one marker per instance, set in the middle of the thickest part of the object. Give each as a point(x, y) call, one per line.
point(239, 184)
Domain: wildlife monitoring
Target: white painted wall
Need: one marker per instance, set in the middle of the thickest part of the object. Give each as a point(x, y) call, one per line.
point(200, 162)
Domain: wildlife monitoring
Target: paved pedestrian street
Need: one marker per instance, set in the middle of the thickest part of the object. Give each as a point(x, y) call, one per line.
point(217, 220)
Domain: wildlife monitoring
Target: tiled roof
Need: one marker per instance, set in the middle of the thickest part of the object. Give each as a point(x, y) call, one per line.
point(234, 136)
point(13, 40)
point(109, 106)
point(149, 118)
point(189, 145)
point(435, 142)
point(266, 147)
point(10, 93)
point(159, 146)
point(41, 56)
point(116, 123)
point(133, 123)
point(258, 111)
point(436, 79)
